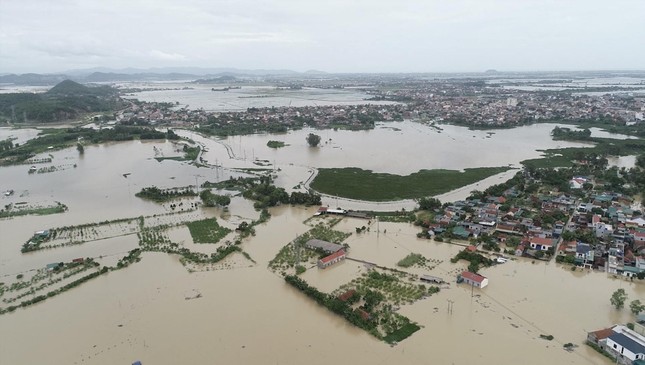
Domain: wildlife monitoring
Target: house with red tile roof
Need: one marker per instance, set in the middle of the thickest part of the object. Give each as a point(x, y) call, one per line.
point(600, 335)
point(473, 279)
point(332, 259)
point(539, 243)
point(567, 248)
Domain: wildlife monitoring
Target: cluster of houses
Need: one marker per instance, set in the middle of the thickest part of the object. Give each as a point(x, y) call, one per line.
point(600, 231)
point(617, 233)
point(496, 106)
point(626, 345)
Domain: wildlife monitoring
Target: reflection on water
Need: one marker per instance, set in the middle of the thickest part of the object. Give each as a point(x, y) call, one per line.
point(18, 136)
point(407, 148)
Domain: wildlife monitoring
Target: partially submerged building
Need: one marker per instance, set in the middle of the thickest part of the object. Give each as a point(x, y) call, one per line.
point(473, 279)
point(325, 246)
point(335, 257)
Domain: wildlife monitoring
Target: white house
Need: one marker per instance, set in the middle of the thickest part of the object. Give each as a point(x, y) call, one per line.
point(603, 229)
point(541, 244)
point(626, 343)
point(577, 182)
point(473, 279)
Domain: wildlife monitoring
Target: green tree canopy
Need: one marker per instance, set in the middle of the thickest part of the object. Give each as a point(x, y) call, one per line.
point(636, 307)
point(429, 203)
point(618, 298)
point(313, 139)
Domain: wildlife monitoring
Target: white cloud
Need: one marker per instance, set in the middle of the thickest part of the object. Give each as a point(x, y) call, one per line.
point(167, 56)
point(333, 35)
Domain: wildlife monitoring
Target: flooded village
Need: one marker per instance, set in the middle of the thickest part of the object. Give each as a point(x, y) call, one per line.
point(186, 245)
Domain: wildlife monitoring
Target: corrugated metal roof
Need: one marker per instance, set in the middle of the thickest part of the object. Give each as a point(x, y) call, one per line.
point(627, 342)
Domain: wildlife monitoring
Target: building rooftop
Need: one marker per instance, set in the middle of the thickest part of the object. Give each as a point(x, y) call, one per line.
point(333, 256)
point(541, 241)
point(603, 333)
point(323, 245)
point(630, 343)
point(472, 276)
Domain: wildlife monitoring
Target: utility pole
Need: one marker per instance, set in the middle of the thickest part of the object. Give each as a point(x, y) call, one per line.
point(378, 230)
point(196, 184)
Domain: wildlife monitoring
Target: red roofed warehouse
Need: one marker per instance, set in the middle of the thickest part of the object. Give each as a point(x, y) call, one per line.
point(474, 279)
point(331, 259)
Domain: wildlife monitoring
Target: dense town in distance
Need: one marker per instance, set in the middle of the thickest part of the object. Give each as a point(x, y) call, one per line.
point(476, 103)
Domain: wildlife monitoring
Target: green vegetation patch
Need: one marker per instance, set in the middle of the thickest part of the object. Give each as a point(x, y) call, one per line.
point(396, 288)
point(355, 183)
point(12, 211)
point(191, 153)
point(476, 260)
point(54, 139)
point(402, 333)
point(163, 195)
point(207, 231)
point(412, 260)
point(276, 144)
point(365, 308)
point(567, 157)
point(397, 217)
point(289, 255)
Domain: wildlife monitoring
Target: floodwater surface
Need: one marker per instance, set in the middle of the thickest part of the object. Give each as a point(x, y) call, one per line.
point(244, 313)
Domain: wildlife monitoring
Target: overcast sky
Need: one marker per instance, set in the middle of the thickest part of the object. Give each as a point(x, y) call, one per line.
point(329, 35)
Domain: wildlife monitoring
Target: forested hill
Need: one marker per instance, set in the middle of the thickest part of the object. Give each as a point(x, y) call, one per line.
point(67, 100)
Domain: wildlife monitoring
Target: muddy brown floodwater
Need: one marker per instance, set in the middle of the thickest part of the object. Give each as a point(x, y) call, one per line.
point(247, 315)
point(244, 313)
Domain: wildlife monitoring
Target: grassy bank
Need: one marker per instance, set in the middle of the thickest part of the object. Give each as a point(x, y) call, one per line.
point(355, 183)
point(565, 157)
point(17, 212)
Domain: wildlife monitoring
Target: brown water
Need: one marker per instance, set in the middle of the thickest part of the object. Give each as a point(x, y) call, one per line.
point(397, 148)
point(95, 191)
point(246, 314)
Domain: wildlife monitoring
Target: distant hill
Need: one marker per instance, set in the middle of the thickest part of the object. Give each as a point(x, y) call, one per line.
point(69, 87)
point(102, 74)
point(167, 71)
point(67, 100)
point(72, 88)
point(217, 80)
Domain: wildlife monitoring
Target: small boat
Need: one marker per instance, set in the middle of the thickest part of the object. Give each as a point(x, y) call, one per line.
point(32, 169)
point(8, 193)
